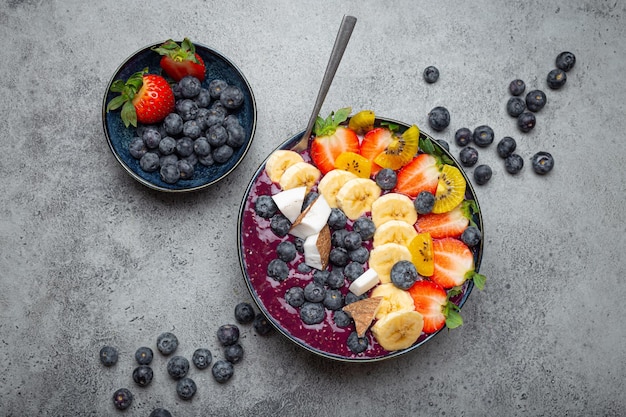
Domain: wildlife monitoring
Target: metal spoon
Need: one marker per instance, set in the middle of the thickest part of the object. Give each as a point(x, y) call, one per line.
point(343, 36)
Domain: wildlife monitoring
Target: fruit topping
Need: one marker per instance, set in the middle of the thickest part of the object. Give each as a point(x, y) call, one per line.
point(312, 219)
point(454, 263)
point(362, 122)
point(403, 274)
point(331, 140)
point(394, 231)
point(290, 201)
point(432, 302)
point(424, 202)
point(317, 249)
point(384, 257)
point(398, 330)
point(354, 163)
point(364, 283)
point(449, 224)
point(399, 149)
point(421, 248)
point(450, 189)
point(279, 161)
point(393, 206)
point(421, 174)
point(181, 60)
point(363, 313)
point(471, 236)
point(386, 179)
point(356, 196)
point(298, 175)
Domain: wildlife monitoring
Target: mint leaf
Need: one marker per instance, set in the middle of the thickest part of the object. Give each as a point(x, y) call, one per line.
point(453, 319)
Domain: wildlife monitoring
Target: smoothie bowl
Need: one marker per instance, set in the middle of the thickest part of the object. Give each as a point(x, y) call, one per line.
point(364, 246)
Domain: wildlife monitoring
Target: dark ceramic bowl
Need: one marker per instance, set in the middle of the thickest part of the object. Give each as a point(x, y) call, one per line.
point(119, 136)
point(256, 245)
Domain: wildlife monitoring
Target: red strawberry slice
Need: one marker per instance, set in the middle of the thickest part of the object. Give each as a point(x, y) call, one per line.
point(454, 262)
point(421, 174)
point(432, 302)
point(331, 140)
point(374, 143)
point(178, 61)
point(449, 224)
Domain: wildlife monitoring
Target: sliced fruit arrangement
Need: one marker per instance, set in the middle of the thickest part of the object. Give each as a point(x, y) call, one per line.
point(399, 245)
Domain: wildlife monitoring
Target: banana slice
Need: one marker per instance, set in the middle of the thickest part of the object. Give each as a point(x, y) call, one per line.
point(356, 196)
point(298, 175)
point(279, 161)
point(393, 206)
point(398, 330)
point(393, 299)
point(384, 257)
point(332, 182)
point(394, 231)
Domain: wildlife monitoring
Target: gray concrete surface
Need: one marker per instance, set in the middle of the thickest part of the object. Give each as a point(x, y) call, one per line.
point(90, 257)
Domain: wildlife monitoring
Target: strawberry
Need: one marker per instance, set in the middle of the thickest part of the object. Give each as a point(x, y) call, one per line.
point(385, 148)
point(331, 140)
point(454, 264)
point(434, 304)
point(178, 61)
point(449, 224)
point(144, 98)
point(374, 143)
point(421, 174)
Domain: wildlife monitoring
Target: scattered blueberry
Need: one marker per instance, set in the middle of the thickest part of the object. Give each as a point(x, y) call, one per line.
point(286, 251)
point(303, 268)
point(177, 367)
point(244, 313)
point(222, 371)
point(462, 136)
point(262, 325)
point(280, 225)
point(365, 227)
point(278, 269)
point(352, 241)
point(339, 256)
point(515, 106)
point(483, 136)
point(228, 334)
point(167, 343)
point(517, 87)
point(186, 388)
point(294, 296)
point(312, 313)
point(513, 163)
point(341, 318)
point(506, 146)
point(386, 179)
point(535, 100)
point(314, 292)
point(351, 298)
point(360, 255)
point(202, 358)
point(357, 344)
point(471, 236)
point(122, 398)
point(142, 375)
point(431, 74)
point(424, 202)
point(108, 355)
point(526, 121)
point(337, 238)
point(556, 79)
point(333, 300)
point(337, 219)
point(144, 355)
point(353, 270)
point(439, 118)
point(468, 156)
point(565, 61)
point(542, 162)
point(160, 412)
point(233, 353)
point(321, 277)
point(264, 206)
point(403, 274)
point(482, 174)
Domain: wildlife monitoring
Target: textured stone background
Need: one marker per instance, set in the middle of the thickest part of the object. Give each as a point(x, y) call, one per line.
point(90, 257)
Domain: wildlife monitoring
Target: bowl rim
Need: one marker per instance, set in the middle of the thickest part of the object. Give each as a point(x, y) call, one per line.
point(469, 284)
point(142, 180)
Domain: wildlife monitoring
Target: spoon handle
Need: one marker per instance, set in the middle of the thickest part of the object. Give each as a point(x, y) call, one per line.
point(341, 42)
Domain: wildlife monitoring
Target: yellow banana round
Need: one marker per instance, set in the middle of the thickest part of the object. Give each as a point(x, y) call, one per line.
point(393, 206)
point(394, 231)
point(398, 330)
point(331, 183)
point(279, 161)
point(300, 174)
point(384, 257)
point(393, 299)
point(356, 196)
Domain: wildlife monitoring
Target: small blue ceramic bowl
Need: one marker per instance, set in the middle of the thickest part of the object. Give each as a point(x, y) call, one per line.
point(119, 136)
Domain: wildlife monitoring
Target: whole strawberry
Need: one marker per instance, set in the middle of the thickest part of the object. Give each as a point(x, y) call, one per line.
point(144, 98)
point(178, 61)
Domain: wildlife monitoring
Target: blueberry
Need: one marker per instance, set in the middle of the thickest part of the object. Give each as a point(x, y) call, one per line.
point(215, 116)
point(222, 371)
point(262, 325)
point(222, 154)
point(424, 202)
point(142, 375)
point(206, 160)
point(233, 353)
point(167, 343)
point(542, 162)
point(462, 136)
point(360, 255)
point(336, 278)
point(483, 136)
point(517, 87)
point(351, 298)
point(228, 334)
point(471, 236)
point(353, 270)
point(202, 358)
point(192, 129)
point(151, 137)
point(352, 241)
point(286, 251)
point(122, 398)
point(506, 146)
point(144, 355)
point(265, 207)
point(439, 118)
point(444, 144)
point(149, 162)
point(187, 109)
point(303, 268)
point(365, 227)
point(333, 300)
point(482, 174)
point(203, 99)
point(403, 274)
point(177, 367)
point(186, 169)
point(308, 199)
point(137, 148)
point(168, 159)
point(386, 178)
point(186, 388)
point(314, 292)
point(565, 61)
point(278, 269)
point(160, 412)
point(170, 173)
point(513, 163)
point(167, 146)
point(341, 318)
point(217, 135)
point(337, 238)
point(535, 100)
point(321, 277)
point(236, 135)
point(357, 344)
point(173, 124)
point(556, 79)
point(339, 256)
point(294, 296)
point(189, 86)
point(468, 156)
point(201, 146)
point(230, 120)
point(184, 146)
point(337, 219)
point(216, 87)
point(244, 313)
point(108, 355)
point(280, 225)
point(526, 121)
point(231, 97)
point(515, 106)
point(431, 74)
point(201, 117)
point(312, 313)
point(192, 159)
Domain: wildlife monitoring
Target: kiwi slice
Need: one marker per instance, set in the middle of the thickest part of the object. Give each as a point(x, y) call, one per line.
point(450, 189)
point(355, 163)
point(421, 248)
point(401, 150)
point(362, 122)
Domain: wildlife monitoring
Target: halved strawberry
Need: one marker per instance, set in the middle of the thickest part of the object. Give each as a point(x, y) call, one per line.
point(178, 61)
point(449, 224)
point(374, 143)
point(454, 264)
point(433, 303)
point(331, 140)
point(144, 98)
point(421, 174)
